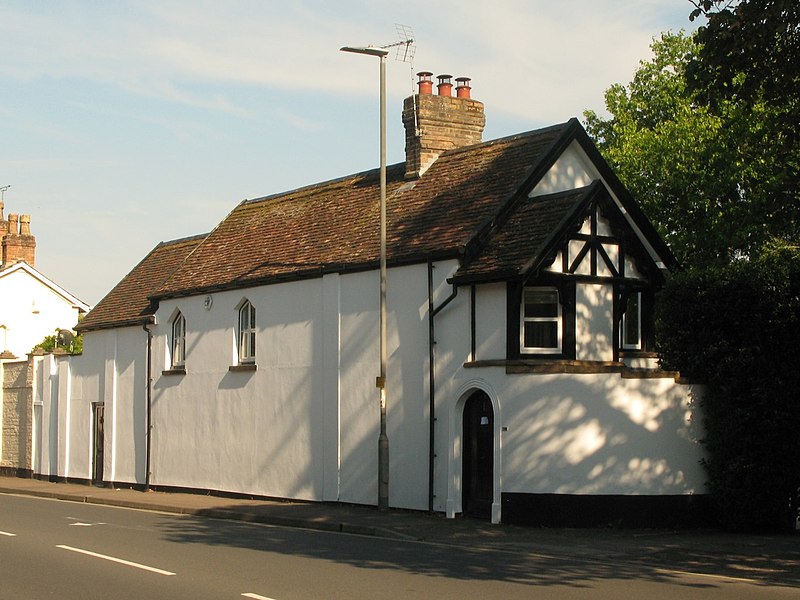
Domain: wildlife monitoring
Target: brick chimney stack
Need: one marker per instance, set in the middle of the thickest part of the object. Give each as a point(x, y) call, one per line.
point(17, 242)
point(437, 123)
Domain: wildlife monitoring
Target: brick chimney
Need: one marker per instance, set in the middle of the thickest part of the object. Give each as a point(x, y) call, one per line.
point(437, 123)
point(18, 243)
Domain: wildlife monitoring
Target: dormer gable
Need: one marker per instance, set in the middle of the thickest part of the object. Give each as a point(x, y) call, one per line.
point(601, 244)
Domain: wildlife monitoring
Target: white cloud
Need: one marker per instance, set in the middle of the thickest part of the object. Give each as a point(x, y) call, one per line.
point(201, 100)
point(533, 51)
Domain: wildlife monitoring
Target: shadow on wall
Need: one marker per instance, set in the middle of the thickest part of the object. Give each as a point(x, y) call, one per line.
point(603, 435)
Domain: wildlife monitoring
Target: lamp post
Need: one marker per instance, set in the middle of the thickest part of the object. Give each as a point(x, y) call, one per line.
point(380, 382)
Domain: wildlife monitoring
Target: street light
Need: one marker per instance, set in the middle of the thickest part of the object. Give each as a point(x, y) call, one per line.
point(380, 382)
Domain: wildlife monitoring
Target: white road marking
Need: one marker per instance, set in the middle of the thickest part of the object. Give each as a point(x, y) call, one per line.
point(116, 560)
point(5, 533)
point(79, 523)
point(255, 596)
point(711, 575)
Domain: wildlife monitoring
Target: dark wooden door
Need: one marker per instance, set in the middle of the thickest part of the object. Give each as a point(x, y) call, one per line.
point(478, 456)
point(98, 411)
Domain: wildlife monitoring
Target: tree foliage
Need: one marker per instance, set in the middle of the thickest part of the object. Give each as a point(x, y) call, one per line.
point(707, 138)
point(736, 329)
point(62, 340)
point(749, 49)
point(704, 172)
point(749, 54)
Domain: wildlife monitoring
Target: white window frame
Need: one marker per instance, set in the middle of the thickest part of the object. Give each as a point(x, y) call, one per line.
point(178, 342)
point(558, 319)
point(625, 321)
point(246, 333)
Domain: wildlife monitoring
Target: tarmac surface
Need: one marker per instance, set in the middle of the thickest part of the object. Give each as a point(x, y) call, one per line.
point(761, 559)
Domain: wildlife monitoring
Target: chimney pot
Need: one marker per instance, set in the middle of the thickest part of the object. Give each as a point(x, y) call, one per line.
point(436, 124)
point(462, 87)
point(425, 84)
point(18, 245)
point(24, 224)
point(445, 85)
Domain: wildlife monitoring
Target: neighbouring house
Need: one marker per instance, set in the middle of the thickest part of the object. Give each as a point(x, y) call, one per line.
point(522, 384)
point(31, 305)
point(31, 308)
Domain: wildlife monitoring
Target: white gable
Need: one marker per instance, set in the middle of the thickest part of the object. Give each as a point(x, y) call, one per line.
point(572, 170)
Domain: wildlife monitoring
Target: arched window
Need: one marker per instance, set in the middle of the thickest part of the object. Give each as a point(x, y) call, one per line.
point(178, 345)
point(247, 333)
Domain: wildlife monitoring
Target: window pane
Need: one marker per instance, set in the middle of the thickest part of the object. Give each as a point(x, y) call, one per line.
point(247, 337)
point(178, 340)
point(541, 303)
point(631, 322)
point(244, 317)
point(541, 334)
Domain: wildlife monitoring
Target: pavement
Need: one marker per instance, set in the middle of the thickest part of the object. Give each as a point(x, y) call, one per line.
point(762, 559)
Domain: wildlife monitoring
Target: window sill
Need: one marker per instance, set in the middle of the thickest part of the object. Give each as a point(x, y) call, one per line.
point(550, 366)
point(175, 371)
point(631, 353)
point(243, 368)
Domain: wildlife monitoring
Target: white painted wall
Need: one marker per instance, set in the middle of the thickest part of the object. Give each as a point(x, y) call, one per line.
point(490, 329)
point(568, 433)
point(305, 424)
point(251, 432)
point(594, 319)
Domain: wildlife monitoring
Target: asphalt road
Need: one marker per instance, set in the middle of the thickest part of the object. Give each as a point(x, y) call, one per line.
point(54, 549)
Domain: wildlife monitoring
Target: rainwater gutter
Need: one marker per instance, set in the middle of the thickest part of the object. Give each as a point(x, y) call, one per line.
point(432, 312)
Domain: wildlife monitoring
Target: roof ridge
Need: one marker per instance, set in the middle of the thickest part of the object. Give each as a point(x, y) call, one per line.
point(188, 238)
point(507, 139)
point(322, 184)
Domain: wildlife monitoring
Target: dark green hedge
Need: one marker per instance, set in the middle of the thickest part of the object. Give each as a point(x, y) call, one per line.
point(737, 330)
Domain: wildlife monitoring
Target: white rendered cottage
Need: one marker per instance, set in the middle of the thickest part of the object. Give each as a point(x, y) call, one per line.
point(521, 380)
point(31, 305)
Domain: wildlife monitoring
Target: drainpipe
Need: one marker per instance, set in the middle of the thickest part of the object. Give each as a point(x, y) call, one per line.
point(431, 388)
point(148, 408)
point(432, 312)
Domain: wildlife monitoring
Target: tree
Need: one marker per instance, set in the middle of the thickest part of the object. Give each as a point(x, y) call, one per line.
point(674, 155)
point(707, 138)
point(735, 329)
point(749, 49)
point(706, 173)
point(749, 52)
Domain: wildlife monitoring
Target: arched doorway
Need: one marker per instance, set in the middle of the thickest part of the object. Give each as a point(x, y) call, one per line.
point(478, 456)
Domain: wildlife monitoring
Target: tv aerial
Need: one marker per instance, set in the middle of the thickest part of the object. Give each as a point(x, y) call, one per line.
point(405, 44)
point(405, 48)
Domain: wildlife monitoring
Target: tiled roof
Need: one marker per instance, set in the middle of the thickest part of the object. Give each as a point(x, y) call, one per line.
point(128, 303)
point(334, 226)
point(526, 235)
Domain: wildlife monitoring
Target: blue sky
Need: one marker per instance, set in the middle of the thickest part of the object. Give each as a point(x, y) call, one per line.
point(128, 123)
